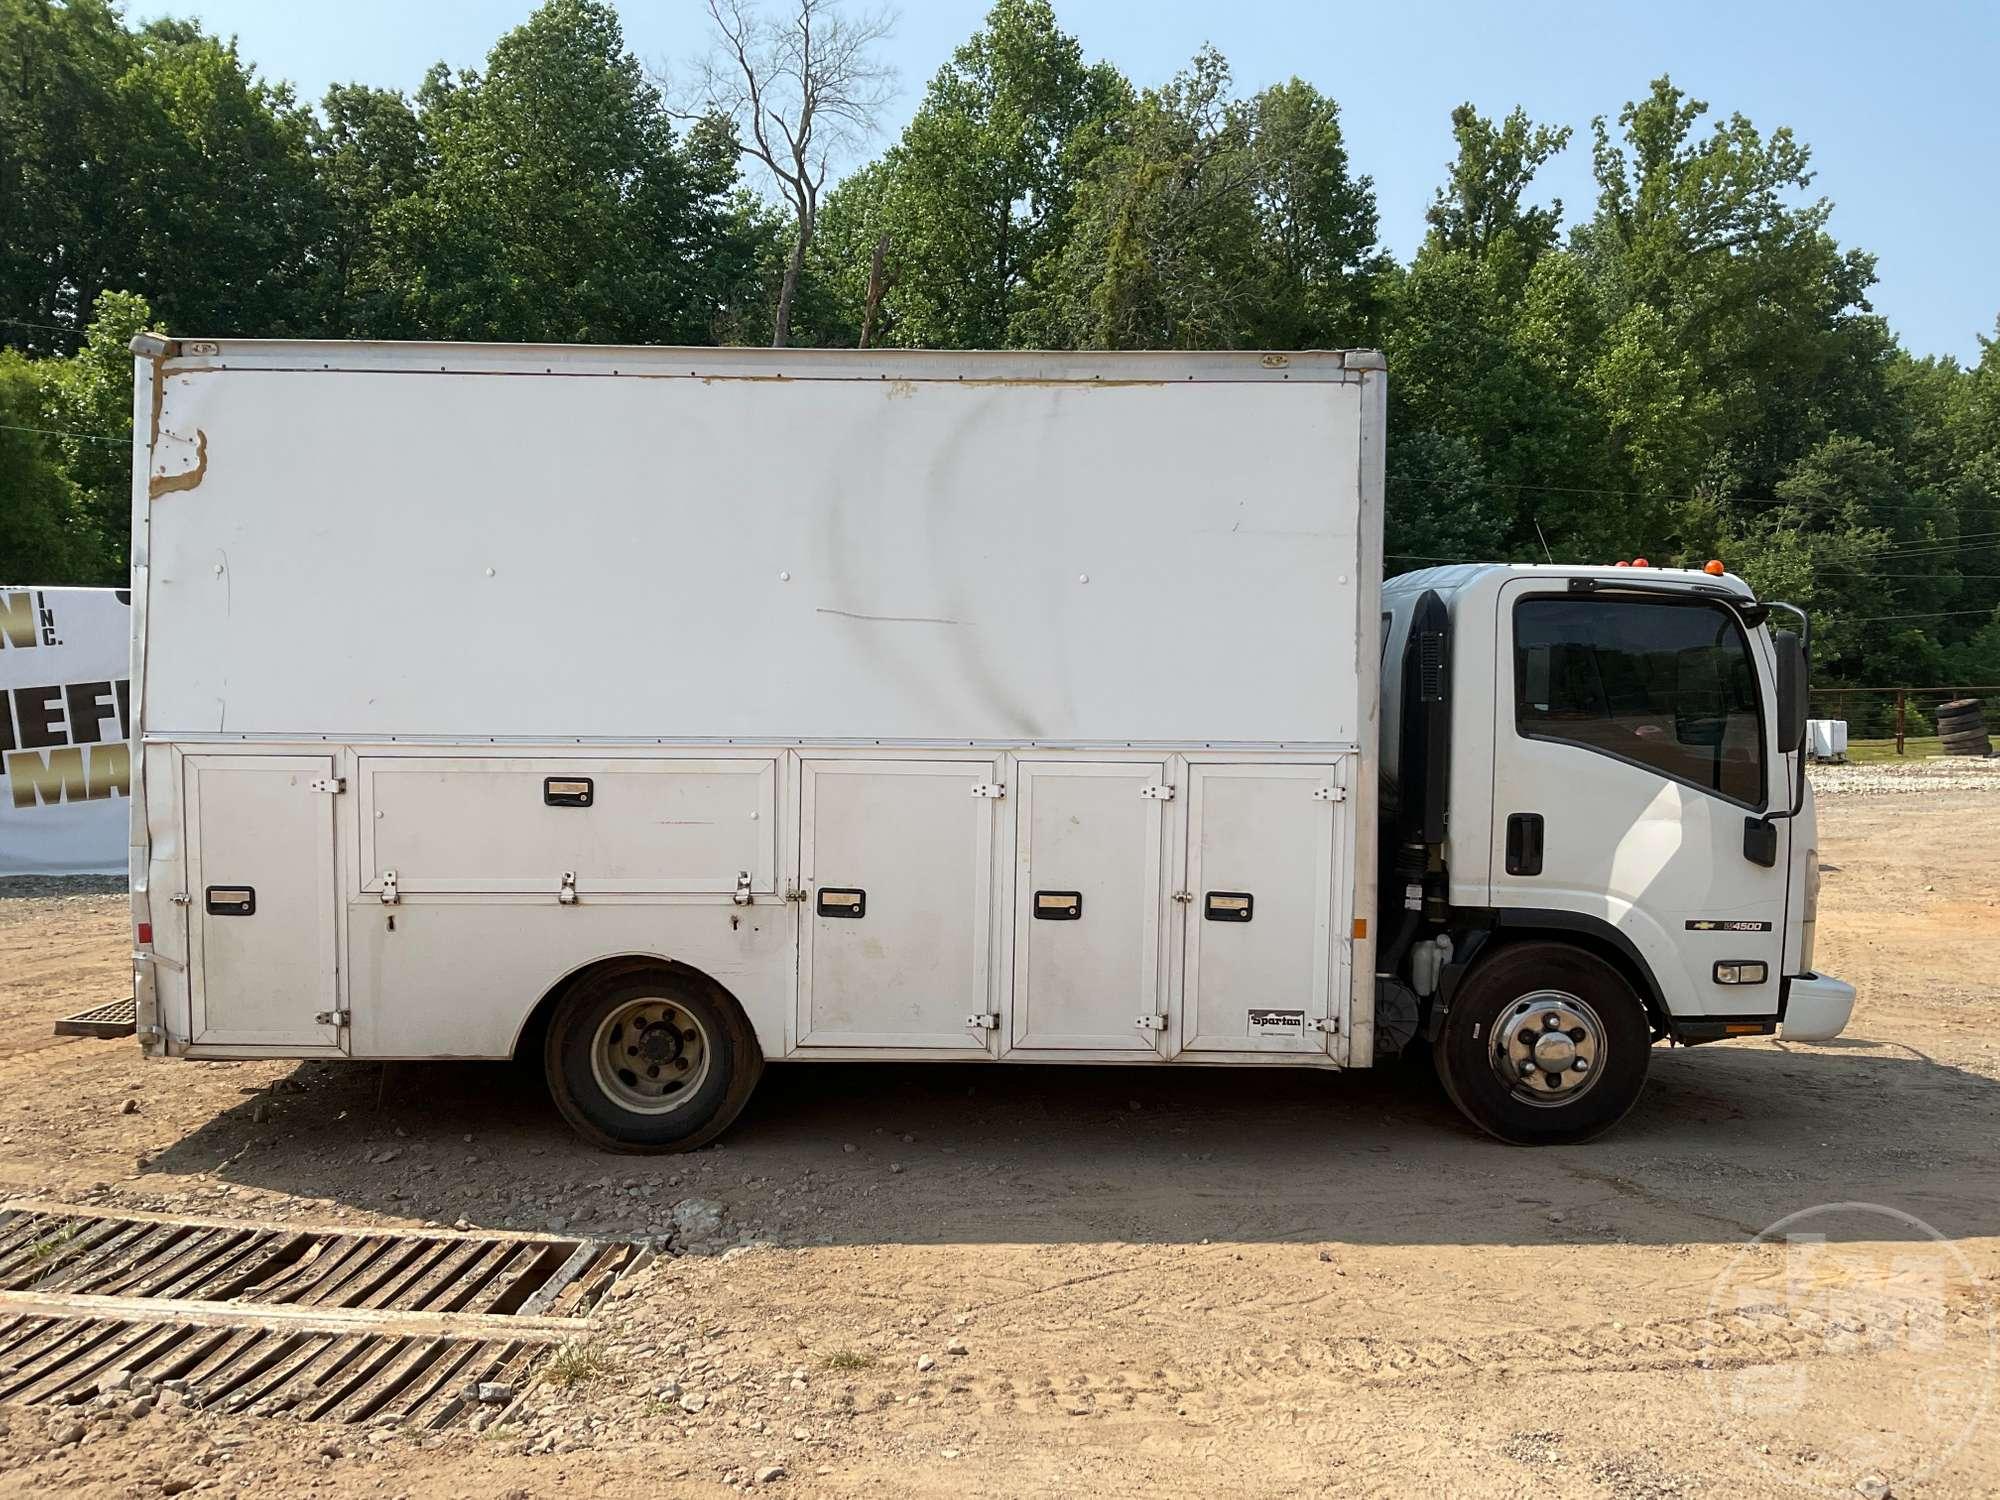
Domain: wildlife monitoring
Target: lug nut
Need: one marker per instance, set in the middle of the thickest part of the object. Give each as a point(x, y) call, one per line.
point(1581, 1065)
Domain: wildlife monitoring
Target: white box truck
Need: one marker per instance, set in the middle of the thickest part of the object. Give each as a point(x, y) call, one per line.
point(657, 712)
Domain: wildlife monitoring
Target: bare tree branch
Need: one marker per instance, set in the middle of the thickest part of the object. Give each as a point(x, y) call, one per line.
point(803, 90)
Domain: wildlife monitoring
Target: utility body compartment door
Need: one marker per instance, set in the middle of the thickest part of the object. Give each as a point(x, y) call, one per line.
point(261, 909)
point(896, 908)
point(1090, 903)
point(1264, 881)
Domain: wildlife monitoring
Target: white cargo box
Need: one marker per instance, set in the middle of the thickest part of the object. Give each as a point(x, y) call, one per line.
point(1030, 659)
point(1826, 739)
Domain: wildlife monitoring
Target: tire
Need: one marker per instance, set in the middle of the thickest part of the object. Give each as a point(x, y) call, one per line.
point(1958, 707)
point(1549, 980)
point(650, 1059)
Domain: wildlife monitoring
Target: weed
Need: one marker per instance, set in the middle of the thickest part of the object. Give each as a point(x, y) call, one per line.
point(577, 1364)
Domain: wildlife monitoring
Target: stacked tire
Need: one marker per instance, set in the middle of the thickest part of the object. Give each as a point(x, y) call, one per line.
point(1961, 724)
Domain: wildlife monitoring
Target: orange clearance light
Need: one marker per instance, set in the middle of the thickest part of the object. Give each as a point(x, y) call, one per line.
point(1361, 927)
point(1640, 562)
point(1714, 566)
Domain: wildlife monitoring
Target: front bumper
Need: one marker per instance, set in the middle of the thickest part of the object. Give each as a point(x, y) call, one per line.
point(1816, 1008)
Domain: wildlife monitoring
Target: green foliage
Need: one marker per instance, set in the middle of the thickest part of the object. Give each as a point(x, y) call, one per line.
point(980, 189)
point(1692, 370)
point(559, 203)
point(1204, 221)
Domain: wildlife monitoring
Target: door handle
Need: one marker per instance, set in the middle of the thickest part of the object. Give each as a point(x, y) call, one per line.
point(1524, 843)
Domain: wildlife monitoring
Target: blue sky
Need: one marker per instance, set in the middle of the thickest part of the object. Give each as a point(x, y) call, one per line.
point(1895, 101)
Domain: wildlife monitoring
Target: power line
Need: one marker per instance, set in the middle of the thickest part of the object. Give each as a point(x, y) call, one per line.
point(1573, 489)
point(1935, 614)
point(87, 437)
point(50, 327)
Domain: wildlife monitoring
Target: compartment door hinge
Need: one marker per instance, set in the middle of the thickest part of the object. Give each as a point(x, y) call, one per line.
point(1157, 1021)
point(1330, 794)
point(990, 789)
point(1157, 793)
point(333, 786)
point(390, 895)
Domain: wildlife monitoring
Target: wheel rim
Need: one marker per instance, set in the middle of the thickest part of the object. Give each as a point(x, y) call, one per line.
point(1549, 1048)
point(650, 1055)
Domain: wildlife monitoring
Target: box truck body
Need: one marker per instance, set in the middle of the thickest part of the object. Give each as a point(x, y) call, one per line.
point(668, 711)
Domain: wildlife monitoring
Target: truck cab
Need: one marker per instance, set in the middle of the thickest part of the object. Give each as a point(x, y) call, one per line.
point(1595, 833)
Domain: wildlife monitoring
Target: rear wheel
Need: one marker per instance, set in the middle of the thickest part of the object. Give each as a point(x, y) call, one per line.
point(1544, 1044)
point(650, 1059)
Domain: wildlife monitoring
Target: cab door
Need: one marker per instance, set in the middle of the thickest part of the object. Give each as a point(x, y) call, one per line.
point(1632, 742)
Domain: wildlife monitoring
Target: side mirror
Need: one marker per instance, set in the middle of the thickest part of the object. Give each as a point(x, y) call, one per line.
point(1792, 689)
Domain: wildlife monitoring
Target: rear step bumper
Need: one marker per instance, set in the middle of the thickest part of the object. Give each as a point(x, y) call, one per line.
point(119, 1018)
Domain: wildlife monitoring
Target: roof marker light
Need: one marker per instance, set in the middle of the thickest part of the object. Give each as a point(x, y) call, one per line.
point(1640, 562)
point(1714, 567)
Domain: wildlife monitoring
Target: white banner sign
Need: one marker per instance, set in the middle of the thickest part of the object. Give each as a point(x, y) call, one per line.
point(65, 724)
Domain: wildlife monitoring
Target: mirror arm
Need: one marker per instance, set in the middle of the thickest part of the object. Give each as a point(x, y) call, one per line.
point(1805, 650)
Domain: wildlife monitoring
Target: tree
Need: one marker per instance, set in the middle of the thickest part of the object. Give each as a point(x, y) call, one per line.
point(370, 153)
point(558, 202)
point(801, 89)
point(1208, 222)
point(43, 539)
point(88, 400)
point(1479, 210)
point(978, 191)
point(67, 132)
point(227, 211)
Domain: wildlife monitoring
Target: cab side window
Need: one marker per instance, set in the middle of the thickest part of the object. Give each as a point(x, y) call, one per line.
point(1661, 684)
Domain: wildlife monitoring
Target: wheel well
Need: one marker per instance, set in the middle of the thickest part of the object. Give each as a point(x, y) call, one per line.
point(1586, 940)
point(534, 1031)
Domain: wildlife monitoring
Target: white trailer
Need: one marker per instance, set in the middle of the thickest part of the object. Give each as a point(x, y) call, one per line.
point(665, 711)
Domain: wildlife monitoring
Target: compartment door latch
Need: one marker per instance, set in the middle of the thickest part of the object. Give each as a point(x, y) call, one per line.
point(742, 896)
point(990, 789)
point(1157, 793)
point(985, 1021)
point(390, 895)
point(1330, 794)
point(566, 892)
point(1157, 1021)
point(331, 1018)
point(333, 786)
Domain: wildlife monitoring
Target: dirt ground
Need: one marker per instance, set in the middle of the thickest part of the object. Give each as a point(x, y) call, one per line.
point(1042, 1281)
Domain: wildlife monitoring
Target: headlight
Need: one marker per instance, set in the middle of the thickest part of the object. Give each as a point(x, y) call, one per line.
point(1809, 920)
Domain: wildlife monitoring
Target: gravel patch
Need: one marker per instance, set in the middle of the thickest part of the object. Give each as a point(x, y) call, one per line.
point(1942, 773)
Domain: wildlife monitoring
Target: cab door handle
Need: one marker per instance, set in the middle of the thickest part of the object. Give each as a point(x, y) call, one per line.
point(1524, 844)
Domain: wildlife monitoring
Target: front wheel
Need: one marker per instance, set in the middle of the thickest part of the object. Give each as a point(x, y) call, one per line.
point(1544, 1044)
point(650, 1059)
